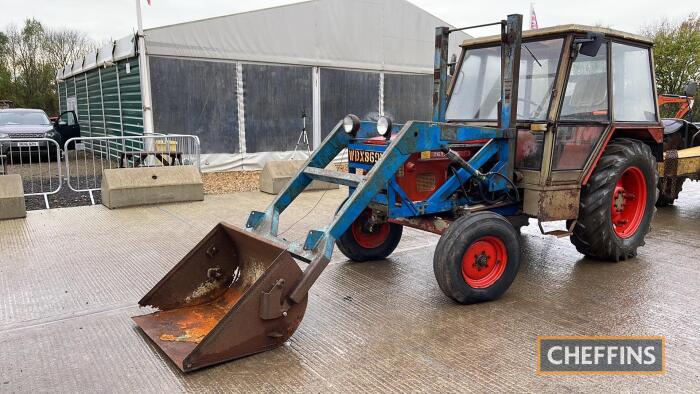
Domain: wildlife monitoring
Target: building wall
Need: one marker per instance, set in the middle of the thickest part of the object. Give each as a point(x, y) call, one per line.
point(197, 96)
point(347, 91)
point(275, 96)
point(238, 110)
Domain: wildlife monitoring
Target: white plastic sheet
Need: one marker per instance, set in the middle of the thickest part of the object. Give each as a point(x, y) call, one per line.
point(370, 34)
point(220, 162)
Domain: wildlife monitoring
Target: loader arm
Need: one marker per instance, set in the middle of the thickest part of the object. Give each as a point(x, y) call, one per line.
point(414, 137)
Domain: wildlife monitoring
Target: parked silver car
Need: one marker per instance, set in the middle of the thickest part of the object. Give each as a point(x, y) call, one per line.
point(33, 123)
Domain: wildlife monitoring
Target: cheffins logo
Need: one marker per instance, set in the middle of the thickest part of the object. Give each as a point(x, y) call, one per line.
point(600, 354)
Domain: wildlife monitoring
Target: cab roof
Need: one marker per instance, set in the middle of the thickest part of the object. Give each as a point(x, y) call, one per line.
point(563, 29)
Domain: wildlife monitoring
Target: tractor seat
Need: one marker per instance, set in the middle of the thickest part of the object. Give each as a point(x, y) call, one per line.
point(672, 125)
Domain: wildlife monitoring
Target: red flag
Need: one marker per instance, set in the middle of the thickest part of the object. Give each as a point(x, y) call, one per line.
point(533, 17)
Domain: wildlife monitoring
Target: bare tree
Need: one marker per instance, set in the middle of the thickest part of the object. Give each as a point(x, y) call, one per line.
point(62, 46)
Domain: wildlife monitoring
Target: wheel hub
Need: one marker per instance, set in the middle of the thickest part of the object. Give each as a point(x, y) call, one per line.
point(368, 233)
point(484, 262)
point(481, 261)
point(629, 202)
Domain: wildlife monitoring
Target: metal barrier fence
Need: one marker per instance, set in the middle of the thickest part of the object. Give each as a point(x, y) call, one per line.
point(37, 161)
point(87, 157)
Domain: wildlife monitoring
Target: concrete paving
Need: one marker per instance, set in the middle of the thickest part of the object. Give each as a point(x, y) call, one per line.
point(70, 279)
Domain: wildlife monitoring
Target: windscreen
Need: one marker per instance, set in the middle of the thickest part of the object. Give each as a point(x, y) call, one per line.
point(23, 119)
point(478, 87)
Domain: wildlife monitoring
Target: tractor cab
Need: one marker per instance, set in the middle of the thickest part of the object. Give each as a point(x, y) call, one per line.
point(578, 87)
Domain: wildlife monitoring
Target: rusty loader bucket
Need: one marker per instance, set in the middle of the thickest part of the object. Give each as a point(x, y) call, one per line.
point(225, 300)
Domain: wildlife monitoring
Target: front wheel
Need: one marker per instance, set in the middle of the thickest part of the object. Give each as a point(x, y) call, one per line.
point(617, 203)
point(365, 242)
point(477, 258)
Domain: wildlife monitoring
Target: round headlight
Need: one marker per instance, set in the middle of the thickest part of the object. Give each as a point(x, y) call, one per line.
point(384, 126)
point(351, 124)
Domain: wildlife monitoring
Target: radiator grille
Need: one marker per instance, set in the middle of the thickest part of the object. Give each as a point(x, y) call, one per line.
point(425, 182)
point(26, 135)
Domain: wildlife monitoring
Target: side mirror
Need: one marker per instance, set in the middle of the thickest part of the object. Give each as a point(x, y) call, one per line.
point(589, 45)
point(691, 89)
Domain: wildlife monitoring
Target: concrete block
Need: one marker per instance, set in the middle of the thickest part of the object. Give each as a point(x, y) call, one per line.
point(127, 187)
point(12, 197)
point(277, 173)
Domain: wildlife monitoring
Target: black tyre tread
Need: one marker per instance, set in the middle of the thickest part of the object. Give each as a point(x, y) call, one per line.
point(349, 247)
point(447, 284)
point(666, 195)
point(593, 235)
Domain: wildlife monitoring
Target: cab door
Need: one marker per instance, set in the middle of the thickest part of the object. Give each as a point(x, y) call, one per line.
point(67, 125)
point(584, 116)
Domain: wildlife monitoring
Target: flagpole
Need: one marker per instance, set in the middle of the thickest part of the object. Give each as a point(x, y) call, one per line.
point(145, 78)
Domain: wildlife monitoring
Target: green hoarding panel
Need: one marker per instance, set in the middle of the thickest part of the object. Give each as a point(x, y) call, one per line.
point(62, 96)
point(107, 101)
point(110, 96)
point(96, 126)
point(130, 90)
point(130, 94)
point(81, 98)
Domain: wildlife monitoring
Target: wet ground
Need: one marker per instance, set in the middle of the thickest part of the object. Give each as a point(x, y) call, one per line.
point(70, 280)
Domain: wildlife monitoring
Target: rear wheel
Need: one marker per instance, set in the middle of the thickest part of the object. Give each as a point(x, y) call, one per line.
point(364, 241)
point(477, 258)
point(617, 204)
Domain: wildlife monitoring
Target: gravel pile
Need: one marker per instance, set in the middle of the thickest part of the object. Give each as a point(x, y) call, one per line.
point(238, 181)
point(230, 182)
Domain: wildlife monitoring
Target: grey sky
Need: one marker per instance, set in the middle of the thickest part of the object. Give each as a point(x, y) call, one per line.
point(103, 19)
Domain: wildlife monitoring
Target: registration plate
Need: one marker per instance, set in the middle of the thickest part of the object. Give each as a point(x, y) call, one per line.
point(27, 144)
point(363, 156)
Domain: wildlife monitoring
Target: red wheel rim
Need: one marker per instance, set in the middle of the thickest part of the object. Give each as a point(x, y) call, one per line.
point(484, 262)
point(629, 202)
point(365, 238)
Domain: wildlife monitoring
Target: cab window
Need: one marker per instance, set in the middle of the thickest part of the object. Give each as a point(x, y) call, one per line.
point(476, 92)
point(478, 87)
point(633, 92)
point(586, 94)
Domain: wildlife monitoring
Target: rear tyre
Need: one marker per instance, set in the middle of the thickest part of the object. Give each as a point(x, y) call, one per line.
point(477, 258)
point(362, 242)
point(617, 204)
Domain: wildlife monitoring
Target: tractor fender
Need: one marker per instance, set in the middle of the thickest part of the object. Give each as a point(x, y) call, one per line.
point(650, 135)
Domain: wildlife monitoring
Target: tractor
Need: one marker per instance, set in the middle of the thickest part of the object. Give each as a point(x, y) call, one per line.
point(681, 136)
point(556, 124)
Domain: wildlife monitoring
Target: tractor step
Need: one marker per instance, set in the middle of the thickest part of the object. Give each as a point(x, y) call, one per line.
point(337, 177)
point(558, 233)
